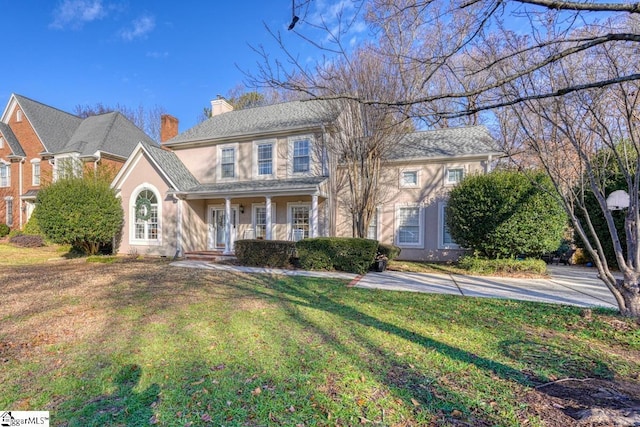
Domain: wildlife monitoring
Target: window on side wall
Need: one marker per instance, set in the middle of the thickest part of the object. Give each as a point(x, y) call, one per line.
point(146, 214)
point(372, 231)
point(8, 201)
point(264, 158)
point(454, 175)
point(301, 156)
point(35, 172)
point(5, 174)
point(409, 226)
point(227, 163)
point(409, 179)
point(445, 241)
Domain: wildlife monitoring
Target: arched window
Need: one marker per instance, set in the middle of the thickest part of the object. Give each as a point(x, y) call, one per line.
point(146, 216)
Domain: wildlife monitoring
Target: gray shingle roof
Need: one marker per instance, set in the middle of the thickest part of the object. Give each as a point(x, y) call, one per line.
point(110, 133)
point(12, 141)
point(271, 118)
point(53, 126)
point(172, 166)
point(273, 185)
point(451, 142)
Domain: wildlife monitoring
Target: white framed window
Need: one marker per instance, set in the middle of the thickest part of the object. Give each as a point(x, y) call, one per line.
point(8, 203)
point(145, 213)
point(298, 220)
point(409, 179)
point(300, 155)
point(444, 237)
point(409, 226)
point(1, 141)
point(374, 226)
point(454, 175)
point(5, 174)
point(35, 172)
point(19, 116)
point(227, 162)
point(67, 167)
point(259, 219)
point(264, 159)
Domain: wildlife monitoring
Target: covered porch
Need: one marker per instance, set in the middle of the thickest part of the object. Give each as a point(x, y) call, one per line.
point(270, 210)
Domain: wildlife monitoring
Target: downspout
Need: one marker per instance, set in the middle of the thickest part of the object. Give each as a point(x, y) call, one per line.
point(20, 185)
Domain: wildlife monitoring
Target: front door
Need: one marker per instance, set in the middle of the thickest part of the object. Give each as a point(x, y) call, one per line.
point(218, 229)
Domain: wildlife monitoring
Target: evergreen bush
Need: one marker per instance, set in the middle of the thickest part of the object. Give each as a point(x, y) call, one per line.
point(353, 255)
point(265, 253)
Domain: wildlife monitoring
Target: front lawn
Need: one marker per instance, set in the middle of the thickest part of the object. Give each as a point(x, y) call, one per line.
point(144, 343)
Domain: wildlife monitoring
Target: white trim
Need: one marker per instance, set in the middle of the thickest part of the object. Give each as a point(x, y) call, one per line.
point(402, 184)
point(8, 200)
point(377, 218)
point(33, 176)
point(441, 224)
point(290, 148)
point(255, 167)
point(7, 166)
point(1, 141)
point(222, 147)
point(448, 168)
point(132, 216)
point(254, 207)
point(130, 165)
point(421, 226)
point(291, 205)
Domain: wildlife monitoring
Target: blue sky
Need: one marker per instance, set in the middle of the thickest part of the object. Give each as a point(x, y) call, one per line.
point(177, 55)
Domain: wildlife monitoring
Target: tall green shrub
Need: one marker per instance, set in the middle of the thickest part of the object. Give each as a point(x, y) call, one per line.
point(83, 212)
point(353, 255)
point(506, 213)
point(264, 253)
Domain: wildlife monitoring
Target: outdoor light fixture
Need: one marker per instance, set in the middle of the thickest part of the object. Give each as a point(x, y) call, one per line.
point(618, 200)
point(241, 209)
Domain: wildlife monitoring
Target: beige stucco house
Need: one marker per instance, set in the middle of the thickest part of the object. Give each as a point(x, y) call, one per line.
point(263, 173)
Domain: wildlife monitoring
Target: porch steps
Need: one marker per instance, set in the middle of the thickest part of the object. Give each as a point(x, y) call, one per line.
point(211, 256)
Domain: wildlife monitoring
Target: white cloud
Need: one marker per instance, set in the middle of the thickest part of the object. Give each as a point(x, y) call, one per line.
point(75, 13)
point(140, 28)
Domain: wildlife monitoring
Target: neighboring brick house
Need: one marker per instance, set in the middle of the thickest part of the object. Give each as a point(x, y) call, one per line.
point(263, 173)
point(39, 142)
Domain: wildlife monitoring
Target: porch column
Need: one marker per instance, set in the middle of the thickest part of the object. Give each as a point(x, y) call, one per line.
point(227, 225)
point(179, 252)
point(313, 232)
point(267, 217)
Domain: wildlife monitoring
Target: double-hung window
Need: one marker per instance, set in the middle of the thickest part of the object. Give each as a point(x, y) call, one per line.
point(5, 174)
point(299, 221)
point(8, 202)
point(35, 172)
point(454, 175)
point(409, 226)
point(228, 162)
point(301, 156)
point(264, 154)
point(445, 241)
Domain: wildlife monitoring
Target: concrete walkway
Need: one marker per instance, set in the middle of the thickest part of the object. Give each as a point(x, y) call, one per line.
point(569, 285)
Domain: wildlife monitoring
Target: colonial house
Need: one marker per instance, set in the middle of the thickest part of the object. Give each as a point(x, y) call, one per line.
point(263, 173)
point(38, 143)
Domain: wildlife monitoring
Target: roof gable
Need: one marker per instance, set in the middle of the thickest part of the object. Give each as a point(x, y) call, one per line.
point(259, 120)
point(12, 141)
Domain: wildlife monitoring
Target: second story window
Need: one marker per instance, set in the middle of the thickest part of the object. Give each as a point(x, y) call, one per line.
point(265, 159)
point(228, 162)
point(67, 167)
point(5, 174)
point(35, 172)
point(301, 156)
point(409, 179)
point(454, 175)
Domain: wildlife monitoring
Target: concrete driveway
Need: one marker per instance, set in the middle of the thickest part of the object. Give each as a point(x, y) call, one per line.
point(571, 285)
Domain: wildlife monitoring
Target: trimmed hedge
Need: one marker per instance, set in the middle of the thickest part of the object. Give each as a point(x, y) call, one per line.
point(4, 230)
point(390, 251)
point(352, 255)
point(502, 266)
point(265, 253)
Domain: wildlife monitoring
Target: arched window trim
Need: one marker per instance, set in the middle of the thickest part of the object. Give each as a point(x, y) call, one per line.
point(134, 222)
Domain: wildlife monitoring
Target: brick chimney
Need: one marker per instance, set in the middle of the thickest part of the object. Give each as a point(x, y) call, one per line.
point(168, 127)
point(219, 106)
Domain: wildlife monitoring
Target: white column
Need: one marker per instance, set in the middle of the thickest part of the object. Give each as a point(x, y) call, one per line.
point(267, 208)
point(227, 225)
point(179, 228)
point(314, 216)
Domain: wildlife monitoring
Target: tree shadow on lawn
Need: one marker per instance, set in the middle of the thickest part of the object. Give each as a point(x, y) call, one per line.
point(124, 406)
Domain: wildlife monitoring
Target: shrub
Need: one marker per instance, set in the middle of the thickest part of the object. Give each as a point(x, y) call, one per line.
point(508, 266)
point(27, 241)
point(390, 251)
point(83, 212)
point(32, 227)
point(4, 230)
point(265, 253)
point(506, 213)
point(353, 255)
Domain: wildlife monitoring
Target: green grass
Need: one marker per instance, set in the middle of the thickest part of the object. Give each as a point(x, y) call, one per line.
point(141, 342)
point(14, 255)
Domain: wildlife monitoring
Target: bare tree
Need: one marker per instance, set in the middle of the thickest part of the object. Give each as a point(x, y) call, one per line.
point(148, 120)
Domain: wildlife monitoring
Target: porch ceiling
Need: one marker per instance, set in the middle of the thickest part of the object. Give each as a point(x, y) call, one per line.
point(257, 188)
